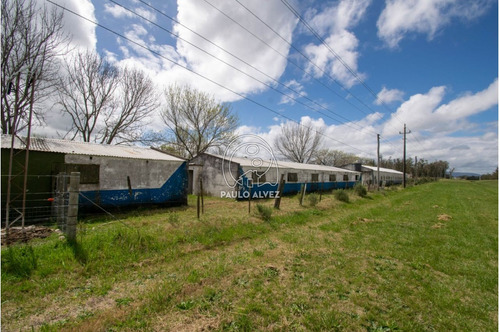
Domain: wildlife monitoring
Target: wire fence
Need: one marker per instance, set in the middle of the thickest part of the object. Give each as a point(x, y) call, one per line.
point(44, 202)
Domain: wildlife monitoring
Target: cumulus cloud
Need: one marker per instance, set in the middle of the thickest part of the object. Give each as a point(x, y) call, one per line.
point(387, 96)
point(401, 17)
point(425, 111)
point(295, 91)
point(333, 24)
point(207, 21)
point(82, 33)
point(120, 12)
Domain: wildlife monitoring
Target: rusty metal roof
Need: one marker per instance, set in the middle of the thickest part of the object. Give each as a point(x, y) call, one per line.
point(88, 149)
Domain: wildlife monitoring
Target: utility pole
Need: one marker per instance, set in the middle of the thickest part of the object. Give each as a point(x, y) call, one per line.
point(404, 153)
point(378, 161)
point(416, 168)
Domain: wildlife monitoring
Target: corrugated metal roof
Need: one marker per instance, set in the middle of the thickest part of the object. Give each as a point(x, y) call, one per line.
point(250, 162)
point(313, 167)
point(88, 149)
point(386, 170)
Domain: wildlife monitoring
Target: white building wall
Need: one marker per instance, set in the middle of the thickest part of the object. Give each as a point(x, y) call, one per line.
point(113, 172)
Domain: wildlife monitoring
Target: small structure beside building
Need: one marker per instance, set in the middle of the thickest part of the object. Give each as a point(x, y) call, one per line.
point(110, 175)
point(369, 175)
point(236, 177)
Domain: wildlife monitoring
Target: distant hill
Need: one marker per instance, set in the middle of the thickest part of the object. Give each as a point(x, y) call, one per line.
point(460, 174)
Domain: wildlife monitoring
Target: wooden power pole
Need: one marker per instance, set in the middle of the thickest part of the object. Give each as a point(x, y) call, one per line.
point(404, 153)
point(378, 161)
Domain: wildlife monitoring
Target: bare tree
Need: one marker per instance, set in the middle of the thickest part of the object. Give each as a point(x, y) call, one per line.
point(337, 158)
point(31, 39)
point(197, 122)
point(136, 100)
point(298, 142)
point(86, 94)
point(106, 105)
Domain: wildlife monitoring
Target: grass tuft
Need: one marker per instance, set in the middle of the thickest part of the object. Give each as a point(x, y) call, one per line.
point(265, 212)
point(341, 195)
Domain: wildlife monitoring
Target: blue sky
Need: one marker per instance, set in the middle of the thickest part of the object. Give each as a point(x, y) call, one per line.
point(430, 64)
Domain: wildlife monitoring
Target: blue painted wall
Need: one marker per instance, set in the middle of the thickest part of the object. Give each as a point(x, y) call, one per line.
point(172, 192)
point(291, 188)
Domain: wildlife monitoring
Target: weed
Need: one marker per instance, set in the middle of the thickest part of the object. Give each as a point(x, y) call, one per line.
point(123, 301)
point(185, 305)
point(341, 195)
point(265, 212)
point(173, 218)
point(19, 261)
point(360, 190)
point(313, 199)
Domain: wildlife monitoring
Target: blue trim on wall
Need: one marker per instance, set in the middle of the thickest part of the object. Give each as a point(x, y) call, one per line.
point(290, 187)
point(173, 191)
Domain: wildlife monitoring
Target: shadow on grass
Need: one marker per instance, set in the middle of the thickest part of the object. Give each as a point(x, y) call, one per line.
point(79, 252)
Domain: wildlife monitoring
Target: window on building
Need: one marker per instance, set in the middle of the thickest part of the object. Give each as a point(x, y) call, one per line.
point(259, 177)
point(333, 178)
point(346, 177)
point(292, 177)
point(357, 177)
point(89, 173)
point(314, 177)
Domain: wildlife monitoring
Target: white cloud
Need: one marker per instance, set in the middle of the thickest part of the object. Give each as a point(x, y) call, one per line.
point(401, 17)
point(82, 33)
point(117, 11)
point(207, 21)
point(120, 12)
point(335, 22)
point(295, 91)
point(387, 96)
point(425, 112)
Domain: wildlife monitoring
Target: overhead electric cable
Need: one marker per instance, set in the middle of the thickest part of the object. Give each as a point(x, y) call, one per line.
point(337, 56)
point(200, 75)
point(307, 58)
point(244, 73)
point(296, 65)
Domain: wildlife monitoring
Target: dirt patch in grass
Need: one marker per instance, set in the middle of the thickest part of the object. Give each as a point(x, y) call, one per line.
point(438, 225)
point(363, 221)
point(17, 234)
point(444, 217)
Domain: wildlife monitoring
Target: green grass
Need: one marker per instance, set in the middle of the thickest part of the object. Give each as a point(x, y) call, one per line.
point(420, 259)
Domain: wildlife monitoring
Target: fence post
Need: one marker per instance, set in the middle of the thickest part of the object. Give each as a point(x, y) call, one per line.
point(277, 200)
point(60, 204)
point(249, 199)
point(303, 193)
point(201, 193)
point(74, 182)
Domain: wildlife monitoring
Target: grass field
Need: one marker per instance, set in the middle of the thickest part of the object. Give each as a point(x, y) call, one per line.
point(420, 259)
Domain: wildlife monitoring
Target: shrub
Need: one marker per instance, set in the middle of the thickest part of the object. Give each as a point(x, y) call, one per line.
point(360, 190)
point(341, 195)
point(313, 199)
point(173, 218)
point(19, 261)
point(265, 212)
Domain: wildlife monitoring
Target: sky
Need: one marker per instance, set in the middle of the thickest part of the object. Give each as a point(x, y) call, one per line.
point(351, 69)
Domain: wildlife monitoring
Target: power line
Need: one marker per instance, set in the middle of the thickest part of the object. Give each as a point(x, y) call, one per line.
point(336, 55)
point(239, 70)
point(302, 54)
point(292, 62)
point(351, 122)
point(200, 75)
